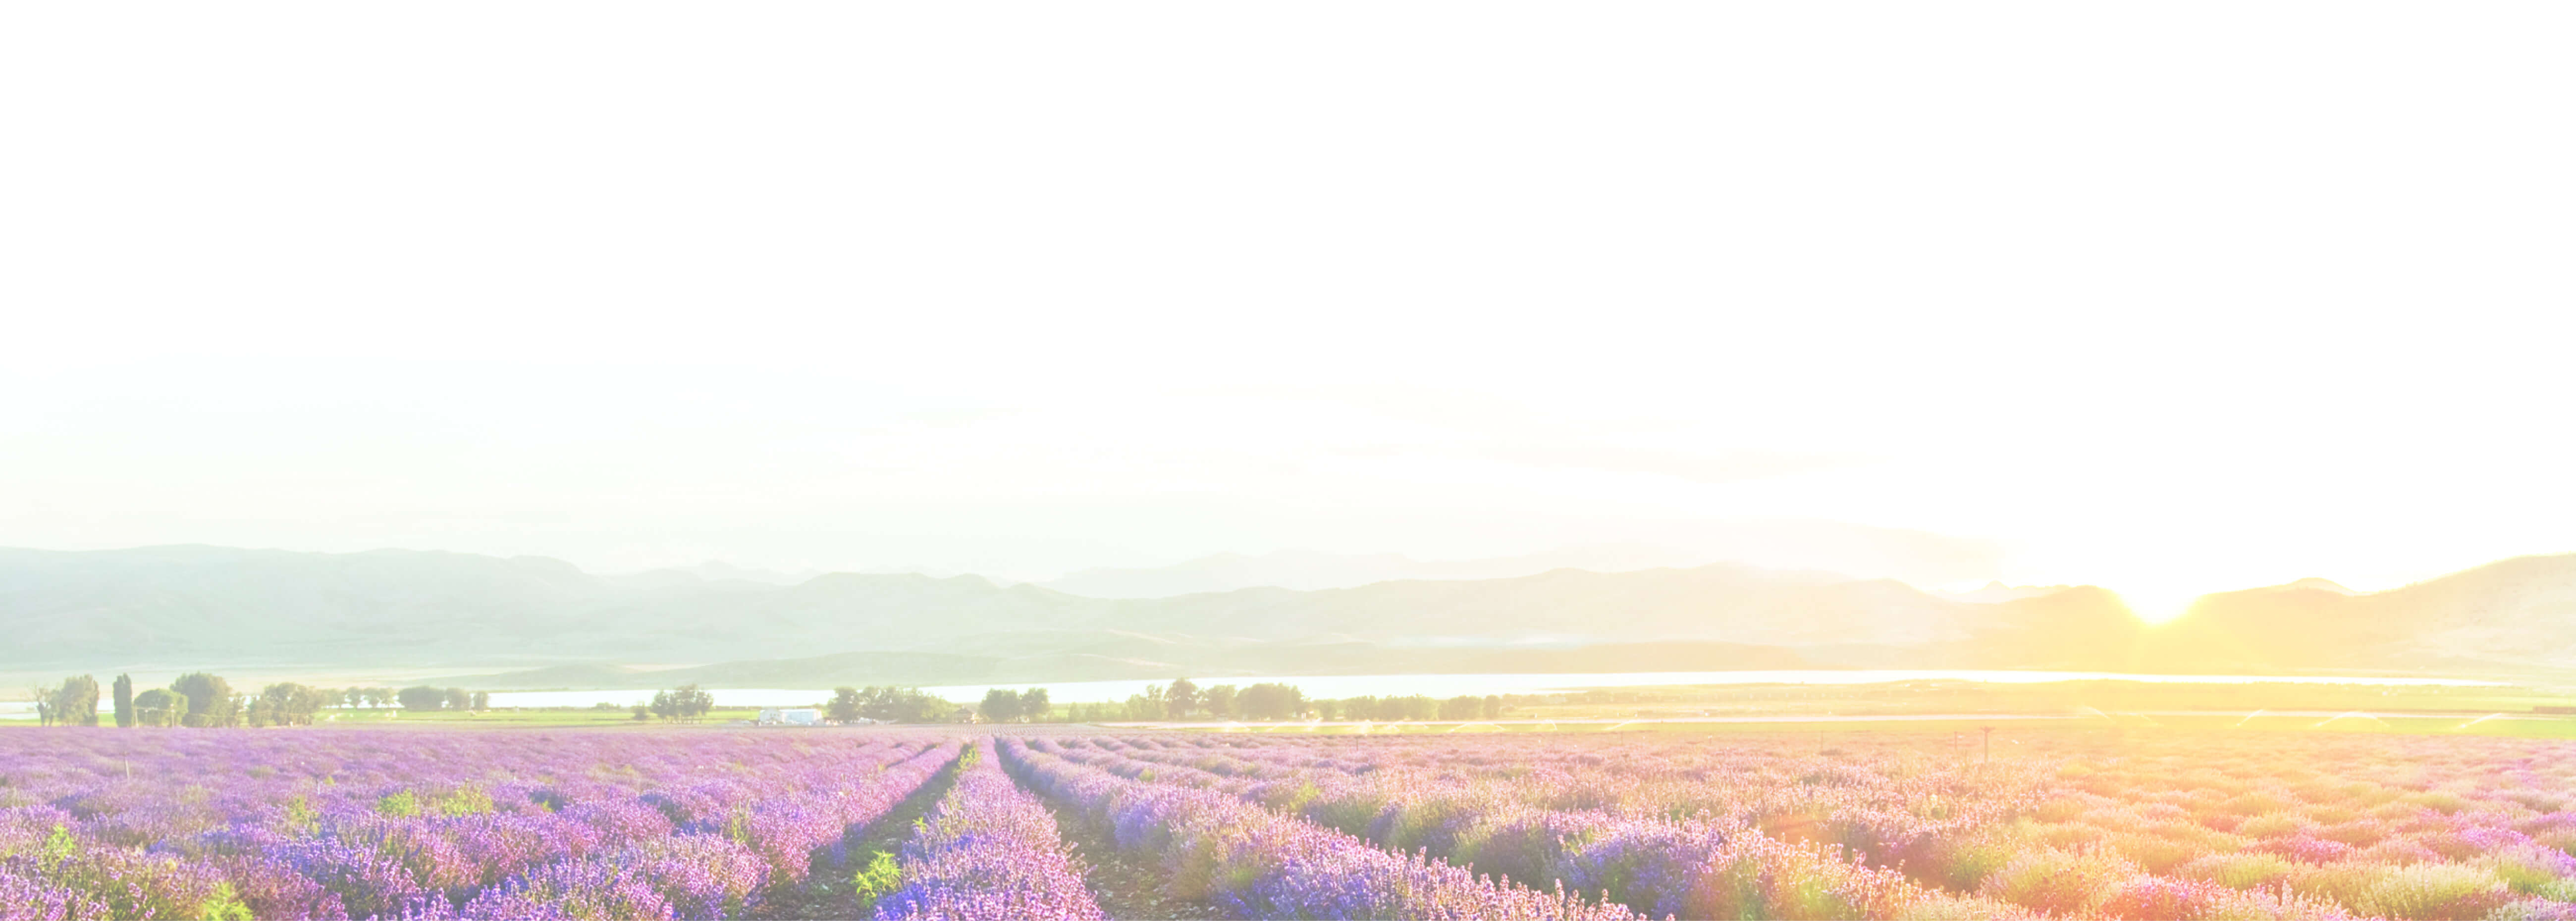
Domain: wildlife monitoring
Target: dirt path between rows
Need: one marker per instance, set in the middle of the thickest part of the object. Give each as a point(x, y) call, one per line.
point(1128, 886)
point(828, 892)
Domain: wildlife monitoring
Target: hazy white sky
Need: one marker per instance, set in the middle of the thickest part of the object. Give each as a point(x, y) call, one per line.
point(2170, 299)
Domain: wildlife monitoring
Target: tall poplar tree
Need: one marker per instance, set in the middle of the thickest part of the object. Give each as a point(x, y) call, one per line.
point(124, 701)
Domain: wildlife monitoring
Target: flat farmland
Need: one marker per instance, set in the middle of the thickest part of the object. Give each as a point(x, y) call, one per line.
point(1831, 822)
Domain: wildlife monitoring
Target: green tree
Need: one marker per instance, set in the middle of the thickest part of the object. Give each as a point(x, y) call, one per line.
point(1462, 708)
point(77, 703)
point(308, 703)
point(1218, 701)
point(262, 713)
point(1270, 701)
point(1416, 707)
point(686, 703)
point(210, 700)
point(902, 705)
point(1034, 706)
point(124, 701)
point(457, 699)
point(1181, 699)
point(1000, 706)
point(913, 705)
point(287, 704)
point(421, 697)
point(1146, 706)
point(1492, 707)
point(844, 707)
point(1391, 709)
point(482, 700)
point(161, 707)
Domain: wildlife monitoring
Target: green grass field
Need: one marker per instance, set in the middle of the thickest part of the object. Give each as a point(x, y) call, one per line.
point(2537, 728)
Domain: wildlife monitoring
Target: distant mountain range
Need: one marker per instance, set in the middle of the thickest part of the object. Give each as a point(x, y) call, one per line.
point(1917, 557)
point(2517, 613)
point(1997, 593)
point(193, 606)
point(710, 571)
point(1307, 570)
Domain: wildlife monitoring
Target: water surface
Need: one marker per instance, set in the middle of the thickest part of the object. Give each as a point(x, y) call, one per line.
point(1338, 686)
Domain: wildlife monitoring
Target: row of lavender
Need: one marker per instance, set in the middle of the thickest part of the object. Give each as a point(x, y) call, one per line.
point(2150, 826)
point(1693, 867)
point(1890, 808)
point(2399, 826)
point(358, 824)
point(989, 851)
point(1239, 860)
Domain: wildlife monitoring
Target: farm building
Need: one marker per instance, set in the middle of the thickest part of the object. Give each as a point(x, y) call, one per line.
point(791, 717)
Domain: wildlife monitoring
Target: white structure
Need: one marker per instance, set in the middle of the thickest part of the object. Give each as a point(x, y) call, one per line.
point(784, 717)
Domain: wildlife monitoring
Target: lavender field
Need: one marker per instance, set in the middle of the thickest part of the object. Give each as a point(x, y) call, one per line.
point(840, 823)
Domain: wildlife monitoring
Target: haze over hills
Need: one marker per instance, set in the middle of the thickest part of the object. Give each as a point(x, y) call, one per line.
point(1915, 557)
point(710, 571)
point(2325, 585)
point(2519, 612)
point(194, 606)
point(1996, 592)
point(1308, 570)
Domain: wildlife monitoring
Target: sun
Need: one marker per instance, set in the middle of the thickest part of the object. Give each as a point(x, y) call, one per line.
point(2158, 607)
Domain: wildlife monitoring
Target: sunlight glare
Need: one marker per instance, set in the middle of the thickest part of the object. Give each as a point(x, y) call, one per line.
point(2157, 607)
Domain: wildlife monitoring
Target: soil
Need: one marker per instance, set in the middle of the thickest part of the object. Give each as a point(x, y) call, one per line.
point(827, 891)
point(1128, 886)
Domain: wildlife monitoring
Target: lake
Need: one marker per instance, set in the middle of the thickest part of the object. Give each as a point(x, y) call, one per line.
point(1338, 686)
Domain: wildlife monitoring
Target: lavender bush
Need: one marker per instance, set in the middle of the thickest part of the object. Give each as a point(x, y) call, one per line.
point(398, 824)
point(990, 851)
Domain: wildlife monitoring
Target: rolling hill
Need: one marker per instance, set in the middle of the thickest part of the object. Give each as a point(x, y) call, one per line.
point(2511, 615)
point(1308, 570)
point(196, 606)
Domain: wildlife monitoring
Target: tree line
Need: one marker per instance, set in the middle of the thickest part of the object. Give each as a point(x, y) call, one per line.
point(207, 701)
point(889, 704)
point(686, 703)
point(1185, 700)
point(1415, 707)
point(199, 699)
point(1002, 705)
point(1262, 702)
point(420, 698)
